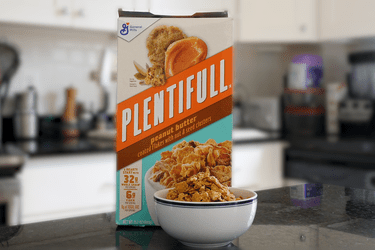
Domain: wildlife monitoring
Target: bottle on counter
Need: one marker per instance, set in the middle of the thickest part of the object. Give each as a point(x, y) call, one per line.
point(69, 118)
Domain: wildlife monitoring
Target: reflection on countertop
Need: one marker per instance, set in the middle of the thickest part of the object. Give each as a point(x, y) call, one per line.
point(339, 218)
point(345, 161)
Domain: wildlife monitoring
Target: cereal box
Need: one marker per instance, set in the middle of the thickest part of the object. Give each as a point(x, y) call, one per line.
point(174, 108)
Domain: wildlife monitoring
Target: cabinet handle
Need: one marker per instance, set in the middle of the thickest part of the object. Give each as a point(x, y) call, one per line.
point(64, 11)
point(80, 13)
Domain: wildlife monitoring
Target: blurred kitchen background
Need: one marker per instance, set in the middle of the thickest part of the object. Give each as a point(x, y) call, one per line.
point(303, 102)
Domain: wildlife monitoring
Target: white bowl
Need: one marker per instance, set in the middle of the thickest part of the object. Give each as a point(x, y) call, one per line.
point(150, 188)
point(206, 224)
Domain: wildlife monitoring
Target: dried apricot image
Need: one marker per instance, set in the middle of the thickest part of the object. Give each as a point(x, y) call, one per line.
point(158, 41)
point(170, 51)
point(183, 54)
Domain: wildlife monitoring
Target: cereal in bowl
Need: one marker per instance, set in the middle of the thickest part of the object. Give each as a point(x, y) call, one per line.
point(202, 187)
point(190, 158)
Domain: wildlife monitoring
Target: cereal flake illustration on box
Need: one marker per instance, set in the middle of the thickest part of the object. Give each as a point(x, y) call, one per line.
point(170, 51)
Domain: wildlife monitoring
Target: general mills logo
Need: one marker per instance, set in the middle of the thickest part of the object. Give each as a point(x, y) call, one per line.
point(125, 29)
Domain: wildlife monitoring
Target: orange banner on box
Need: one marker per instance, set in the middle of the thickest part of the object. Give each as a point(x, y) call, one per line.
point(183, 95)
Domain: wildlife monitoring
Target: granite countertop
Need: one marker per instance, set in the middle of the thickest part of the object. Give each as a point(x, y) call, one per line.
point(308, 216)
point(47, 146)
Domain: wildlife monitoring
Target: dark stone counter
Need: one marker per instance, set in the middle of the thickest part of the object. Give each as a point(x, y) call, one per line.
point(308, 216)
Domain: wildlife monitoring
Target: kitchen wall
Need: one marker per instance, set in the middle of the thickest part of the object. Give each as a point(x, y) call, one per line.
point(260, 68)
point(53, 59)
point(335, 60)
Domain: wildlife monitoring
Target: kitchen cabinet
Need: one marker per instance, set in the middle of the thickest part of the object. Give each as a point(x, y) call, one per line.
point(96, 14)
point(258, 166)
point(70, 185)
point(345, 19)
point(277, 21)
point(82, 14)
point(41, 12)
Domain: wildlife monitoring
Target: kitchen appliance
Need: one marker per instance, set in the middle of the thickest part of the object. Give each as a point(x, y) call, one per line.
point(362, 80)
point(303, 97)
point(106, 74)
point(304, 111)
point(10, 202)
point(357, 118)
point(348, 158)
point(356, 111)
point(264, 113)
point(336, 93)
point(345, 162)
point(9, 62)
point(51, 127)
point(85, 119)
point(10, 161)
point(305, 71)
point(26, 116)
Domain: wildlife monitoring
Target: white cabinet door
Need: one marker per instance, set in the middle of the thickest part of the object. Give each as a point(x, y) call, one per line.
point(83, 14)
point(258, 166)
point(343, 19)
point(56, 187)
point(97, 14)
point(277, 21)
point(40, 12)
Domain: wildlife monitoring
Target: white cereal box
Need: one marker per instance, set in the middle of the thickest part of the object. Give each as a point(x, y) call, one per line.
point(174, 106)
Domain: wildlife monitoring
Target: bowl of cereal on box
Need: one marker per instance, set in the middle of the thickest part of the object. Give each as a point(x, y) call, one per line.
point(202, 212)
point(185, 160)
